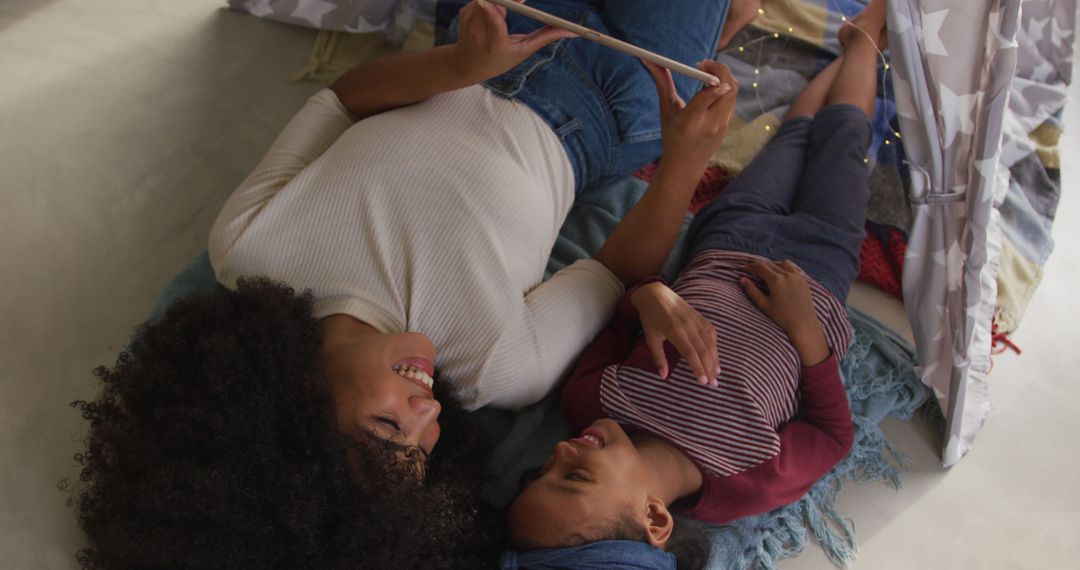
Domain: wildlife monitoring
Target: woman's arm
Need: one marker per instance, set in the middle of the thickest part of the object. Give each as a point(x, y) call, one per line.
point(642, 241)
point(581, 394)
point(484, 49)
point(640, 244)
point(307, 135)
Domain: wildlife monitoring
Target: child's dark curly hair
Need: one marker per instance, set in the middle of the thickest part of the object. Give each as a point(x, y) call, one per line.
point(214, 444)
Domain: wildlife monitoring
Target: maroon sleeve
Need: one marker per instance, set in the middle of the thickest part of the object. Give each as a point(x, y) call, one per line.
point(809, 448)
point(581, 395)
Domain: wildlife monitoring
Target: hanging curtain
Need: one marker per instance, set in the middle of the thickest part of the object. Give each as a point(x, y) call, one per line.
point(953, 64)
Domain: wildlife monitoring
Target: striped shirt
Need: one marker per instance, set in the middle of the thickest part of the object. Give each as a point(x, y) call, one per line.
point(740, 434)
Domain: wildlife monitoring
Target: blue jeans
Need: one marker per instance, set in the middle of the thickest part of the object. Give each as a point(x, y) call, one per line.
point(600, 102)
point(803, 198)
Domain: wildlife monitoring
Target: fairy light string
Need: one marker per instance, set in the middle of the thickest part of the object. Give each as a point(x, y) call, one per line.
point(766, 36)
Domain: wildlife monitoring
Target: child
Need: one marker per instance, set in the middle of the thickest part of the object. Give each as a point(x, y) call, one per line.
point(654, 435)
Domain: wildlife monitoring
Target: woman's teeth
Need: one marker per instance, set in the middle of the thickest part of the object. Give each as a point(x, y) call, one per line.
point(593, 440)
point(414, 373)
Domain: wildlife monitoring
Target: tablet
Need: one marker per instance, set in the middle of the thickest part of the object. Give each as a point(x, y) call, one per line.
point(603, 39)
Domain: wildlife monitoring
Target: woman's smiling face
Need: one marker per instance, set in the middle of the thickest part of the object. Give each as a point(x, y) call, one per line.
point(588, 482)
point(382, 385)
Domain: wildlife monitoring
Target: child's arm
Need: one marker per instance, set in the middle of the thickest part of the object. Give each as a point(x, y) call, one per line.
point(790, 305)
point(691, 132)
point(484, 49)
point(664, 316)
point(668, 318)
point(809, 448)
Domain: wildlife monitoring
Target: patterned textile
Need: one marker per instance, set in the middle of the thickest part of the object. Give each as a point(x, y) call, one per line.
point(1017, 280)
point(728, 428)
point(962, 133)
point(881, 260)
point(1027, 216)
point(880, 380)
point(393, 18)
point(712, 182)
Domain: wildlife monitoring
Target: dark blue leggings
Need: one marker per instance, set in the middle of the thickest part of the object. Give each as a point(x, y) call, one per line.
point(803, 198)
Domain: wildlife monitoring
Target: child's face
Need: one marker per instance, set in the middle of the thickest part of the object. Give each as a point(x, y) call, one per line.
point(593, 479)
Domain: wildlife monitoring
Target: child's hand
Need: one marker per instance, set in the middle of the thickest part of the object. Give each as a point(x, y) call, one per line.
point(485, 48)
point(790, 305)
point(693, 131)
point(666, 316)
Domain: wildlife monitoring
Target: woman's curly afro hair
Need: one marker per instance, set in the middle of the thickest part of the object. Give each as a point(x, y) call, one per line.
point(214, 444)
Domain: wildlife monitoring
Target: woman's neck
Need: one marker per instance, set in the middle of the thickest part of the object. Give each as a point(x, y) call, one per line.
point(672, 475)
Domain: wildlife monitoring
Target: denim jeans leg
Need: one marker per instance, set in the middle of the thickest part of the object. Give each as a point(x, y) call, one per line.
point(766, 187)
point(683, 30)
point(601, 102)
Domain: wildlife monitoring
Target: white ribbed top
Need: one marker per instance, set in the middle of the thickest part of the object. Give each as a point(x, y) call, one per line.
point(435, 218)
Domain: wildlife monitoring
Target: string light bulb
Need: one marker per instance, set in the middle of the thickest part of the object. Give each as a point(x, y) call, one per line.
point(791, 30)
point(884, 91)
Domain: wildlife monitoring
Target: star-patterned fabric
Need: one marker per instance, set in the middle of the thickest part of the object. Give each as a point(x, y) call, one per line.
point(972, 80)
point(394, 18)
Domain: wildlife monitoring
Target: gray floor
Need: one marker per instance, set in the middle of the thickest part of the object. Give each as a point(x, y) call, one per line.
point(123, 127)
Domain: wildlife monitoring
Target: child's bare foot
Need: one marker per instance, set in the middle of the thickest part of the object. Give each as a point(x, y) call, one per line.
point(872, 20)
point(741, 13)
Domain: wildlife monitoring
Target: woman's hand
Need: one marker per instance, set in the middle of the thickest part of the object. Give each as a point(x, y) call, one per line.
point(693, 131)
point(666, 316)
point(485, 48)
point(790, 305)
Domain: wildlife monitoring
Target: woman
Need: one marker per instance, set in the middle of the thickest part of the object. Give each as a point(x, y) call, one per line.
point(260, 428)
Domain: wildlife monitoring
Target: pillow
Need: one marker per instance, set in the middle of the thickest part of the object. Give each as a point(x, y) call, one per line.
point(394, 18)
